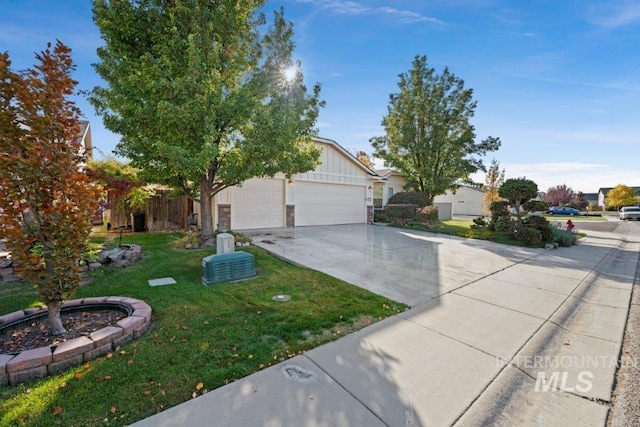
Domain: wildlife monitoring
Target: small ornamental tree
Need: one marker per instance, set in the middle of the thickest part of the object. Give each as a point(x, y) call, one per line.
point(48, 200)
point(517, 191)
point(125, 192)
point(493, 180)
point(621, 195)
point(559, 195)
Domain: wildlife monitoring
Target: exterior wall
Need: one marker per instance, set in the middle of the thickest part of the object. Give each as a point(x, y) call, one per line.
point(340, 185)
point(465, 201)
point(394, 184)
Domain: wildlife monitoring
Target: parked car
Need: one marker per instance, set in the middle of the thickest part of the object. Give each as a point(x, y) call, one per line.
point(564, 210)
point(630, 212)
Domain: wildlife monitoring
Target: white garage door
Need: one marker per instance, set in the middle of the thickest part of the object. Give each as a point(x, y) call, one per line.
point(326, 204)
point(259, 203)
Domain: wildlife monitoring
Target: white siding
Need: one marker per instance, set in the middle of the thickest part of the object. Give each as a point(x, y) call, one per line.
point(323, 204)
point(259, 203)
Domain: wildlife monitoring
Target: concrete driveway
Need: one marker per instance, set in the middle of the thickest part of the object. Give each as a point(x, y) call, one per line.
point(407, 266)
point(497, 335)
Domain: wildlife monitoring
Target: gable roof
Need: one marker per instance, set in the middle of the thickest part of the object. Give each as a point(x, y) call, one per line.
point(347, 154)
point(605, 190)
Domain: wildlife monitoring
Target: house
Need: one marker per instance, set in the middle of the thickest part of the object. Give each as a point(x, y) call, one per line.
point(602, 195)
point(391, 183)
point(338, 191)
point(466, 200)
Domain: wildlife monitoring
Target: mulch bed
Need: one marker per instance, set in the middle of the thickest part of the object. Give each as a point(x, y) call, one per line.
point(36, 334)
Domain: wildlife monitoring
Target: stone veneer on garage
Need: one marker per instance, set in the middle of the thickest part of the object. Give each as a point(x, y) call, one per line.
point(43, 361)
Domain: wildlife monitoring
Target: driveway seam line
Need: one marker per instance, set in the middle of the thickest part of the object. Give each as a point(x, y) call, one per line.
point(615, 248)
point(344, 388)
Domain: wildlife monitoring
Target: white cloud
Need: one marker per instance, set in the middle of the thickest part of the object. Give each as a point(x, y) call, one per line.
point(585, 177)
point(342, 7)
point(617, 14)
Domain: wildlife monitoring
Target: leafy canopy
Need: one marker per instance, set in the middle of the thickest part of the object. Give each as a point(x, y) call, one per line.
point(621, 195)
point(518, 191)
point(47, 200)
point(429, 138)
point(202, 94)
point(558, 195)
point(493, 180)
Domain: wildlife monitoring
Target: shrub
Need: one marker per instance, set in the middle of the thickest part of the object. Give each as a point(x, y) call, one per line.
point(564, 237)
point(479, 222)
point(188, 241)
point(418, 198)
point(500, 217)
point(504, 224)
point(427, 215)
point(381, 216)
point(535, 206)
point(399, 214)
point(528, 236)
point(542, 225)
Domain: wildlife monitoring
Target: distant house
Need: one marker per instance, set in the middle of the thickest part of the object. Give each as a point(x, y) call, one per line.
point(392, 182)
point(466, 200)
point(591, 199)
point(602, 195)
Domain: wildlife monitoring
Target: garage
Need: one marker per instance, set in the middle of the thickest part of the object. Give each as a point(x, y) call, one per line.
point(259, 203)
point(320, 203)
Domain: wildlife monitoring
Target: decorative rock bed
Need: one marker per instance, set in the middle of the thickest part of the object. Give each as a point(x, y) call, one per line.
point(31, 364)
point(122, 256)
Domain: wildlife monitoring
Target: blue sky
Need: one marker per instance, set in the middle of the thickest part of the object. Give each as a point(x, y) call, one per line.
point(557, 81)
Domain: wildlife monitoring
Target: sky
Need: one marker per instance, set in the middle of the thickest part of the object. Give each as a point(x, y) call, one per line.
point(557, 81)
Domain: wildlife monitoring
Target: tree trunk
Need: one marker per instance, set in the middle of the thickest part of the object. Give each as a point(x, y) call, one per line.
point(55, 321)
point(206, 218)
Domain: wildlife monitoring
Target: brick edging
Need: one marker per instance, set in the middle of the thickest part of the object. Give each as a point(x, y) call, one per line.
point(43, 361)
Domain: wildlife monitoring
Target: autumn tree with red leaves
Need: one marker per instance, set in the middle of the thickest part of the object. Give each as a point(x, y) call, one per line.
point(47, 199)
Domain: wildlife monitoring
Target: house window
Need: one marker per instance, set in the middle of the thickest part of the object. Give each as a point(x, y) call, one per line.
point(390, 192)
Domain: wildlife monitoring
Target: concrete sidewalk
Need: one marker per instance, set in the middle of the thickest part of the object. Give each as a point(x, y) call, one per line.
point(506, 336)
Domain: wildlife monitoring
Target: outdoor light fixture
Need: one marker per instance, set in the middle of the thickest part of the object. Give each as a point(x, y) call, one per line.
point(290, 183)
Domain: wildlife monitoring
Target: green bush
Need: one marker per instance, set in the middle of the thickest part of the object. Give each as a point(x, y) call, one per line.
point(418, 198)
point(504, 224)
point(564, 237)
point(500, 218)
point(479, 222)
point(528, 236)
point(400, 214)
point(542, 225)
point(427, 215)
point(381, 216)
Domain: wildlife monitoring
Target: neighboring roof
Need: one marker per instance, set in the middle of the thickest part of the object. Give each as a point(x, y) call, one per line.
point(605, 190)
point(385, 173)
point(347, 154)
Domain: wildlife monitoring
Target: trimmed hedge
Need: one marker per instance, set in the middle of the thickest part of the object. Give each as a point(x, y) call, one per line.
point(418, 198)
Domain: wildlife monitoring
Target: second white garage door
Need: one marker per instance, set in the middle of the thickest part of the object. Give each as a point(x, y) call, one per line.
point(326, 204)
point(259, 203)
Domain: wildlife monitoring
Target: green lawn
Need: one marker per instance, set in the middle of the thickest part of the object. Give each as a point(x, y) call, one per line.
point(201, 338)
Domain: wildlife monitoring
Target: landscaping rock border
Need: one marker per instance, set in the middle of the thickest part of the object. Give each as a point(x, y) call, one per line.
point(37, 363)
point(118, 257)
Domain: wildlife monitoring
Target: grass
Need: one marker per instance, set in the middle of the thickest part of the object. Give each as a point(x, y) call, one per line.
point(202, 337)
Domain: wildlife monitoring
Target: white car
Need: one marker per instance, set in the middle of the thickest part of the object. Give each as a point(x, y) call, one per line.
point(630, 212)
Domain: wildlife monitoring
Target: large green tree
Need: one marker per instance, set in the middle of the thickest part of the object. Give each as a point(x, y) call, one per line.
point(429, 137)
point(47, 199)
point(203, 95)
